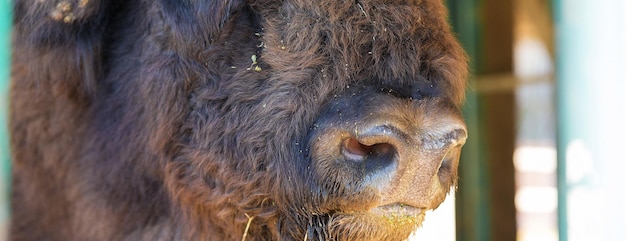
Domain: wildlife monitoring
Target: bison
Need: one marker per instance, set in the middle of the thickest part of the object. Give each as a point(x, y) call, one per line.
point(232, 119)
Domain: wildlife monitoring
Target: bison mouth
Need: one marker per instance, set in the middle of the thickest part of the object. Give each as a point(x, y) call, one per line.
point(398, 210)
point(400, 214)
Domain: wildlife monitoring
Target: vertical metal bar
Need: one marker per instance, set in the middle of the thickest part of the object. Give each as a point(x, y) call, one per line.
point(472, 198)
point(5, 50)
point(591, 100)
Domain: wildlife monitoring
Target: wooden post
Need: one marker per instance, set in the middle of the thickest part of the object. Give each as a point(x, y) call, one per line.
point(500, 116)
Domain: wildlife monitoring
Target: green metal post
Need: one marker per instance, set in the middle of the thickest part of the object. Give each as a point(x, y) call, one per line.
point(591, 92)
point(472, 198)
point(5, 50)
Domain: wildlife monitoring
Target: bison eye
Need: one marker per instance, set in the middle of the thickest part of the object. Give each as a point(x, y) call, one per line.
point(398, 92)
point(415, 91)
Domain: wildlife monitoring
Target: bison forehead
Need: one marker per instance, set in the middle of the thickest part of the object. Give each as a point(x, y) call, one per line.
point(346, 36)
point(363, 40)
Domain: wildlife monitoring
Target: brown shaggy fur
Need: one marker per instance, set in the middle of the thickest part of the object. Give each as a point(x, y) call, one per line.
point(151, 120)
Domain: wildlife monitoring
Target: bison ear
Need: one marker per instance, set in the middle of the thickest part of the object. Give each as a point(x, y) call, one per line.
point(59, 22)
point(58, 43)
point(201, 18)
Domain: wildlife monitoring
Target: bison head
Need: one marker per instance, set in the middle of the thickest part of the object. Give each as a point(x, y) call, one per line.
point(331, 120)
point(213, 120)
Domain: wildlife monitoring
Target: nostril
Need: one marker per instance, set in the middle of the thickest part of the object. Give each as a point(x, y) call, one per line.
point(374, 156)
point(437, 141)
point(354, 150)
point(450, 160)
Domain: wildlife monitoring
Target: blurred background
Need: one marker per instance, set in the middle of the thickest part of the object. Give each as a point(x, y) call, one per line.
point(546, 111)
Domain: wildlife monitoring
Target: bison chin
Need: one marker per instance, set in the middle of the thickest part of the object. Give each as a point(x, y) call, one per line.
point(366, 226)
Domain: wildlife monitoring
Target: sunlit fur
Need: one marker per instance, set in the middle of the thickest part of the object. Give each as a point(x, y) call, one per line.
point(151, 120)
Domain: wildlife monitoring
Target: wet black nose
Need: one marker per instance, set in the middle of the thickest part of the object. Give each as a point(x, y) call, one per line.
point(396, 147)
